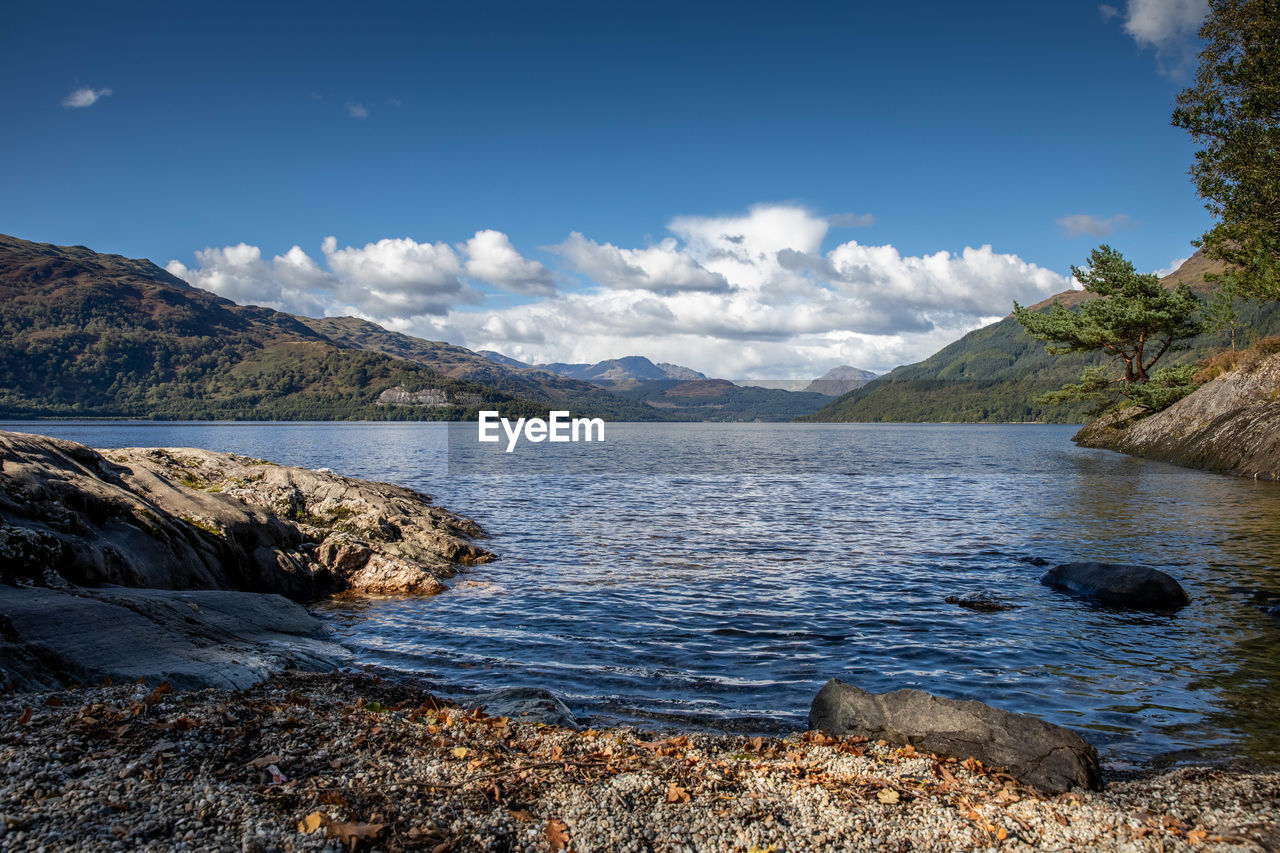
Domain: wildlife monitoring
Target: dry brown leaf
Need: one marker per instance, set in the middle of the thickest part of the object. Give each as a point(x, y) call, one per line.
point(522, 815)
point(311, 823)
point(53, 702)
point(888, 796)
point(676, 794)
point(1062, 819)
point(459, 752)
point(943, 773)
point(557, 834)
point(26, 716)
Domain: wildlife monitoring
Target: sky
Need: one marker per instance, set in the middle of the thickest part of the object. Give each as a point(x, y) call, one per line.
point(750, 189)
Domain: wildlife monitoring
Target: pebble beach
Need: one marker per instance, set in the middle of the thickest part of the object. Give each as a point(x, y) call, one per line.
point(352, 761)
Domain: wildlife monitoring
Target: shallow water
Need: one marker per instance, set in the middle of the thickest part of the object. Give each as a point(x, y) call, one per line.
point(718, 574)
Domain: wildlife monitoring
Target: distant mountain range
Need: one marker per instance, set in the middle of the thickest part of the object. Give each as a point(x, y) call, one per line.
point(994, 374)
point(93, 335)
point(622, 372)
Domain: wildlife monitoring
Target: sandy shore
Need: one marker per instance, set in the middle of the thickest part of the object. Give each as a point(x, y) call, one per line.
point(333, 762)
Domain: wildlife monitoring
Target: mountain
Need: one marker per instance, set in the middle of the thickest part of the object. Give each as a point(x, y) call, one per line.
point(840, 380)
point(506, 375)
point(499, 358)
point(625, 372)
point(722, 400)
point(994, 374)
point(87, 334)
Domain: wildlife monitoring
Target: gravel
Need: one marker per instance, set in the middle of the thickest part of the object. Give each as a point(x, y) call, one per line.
point(354, 762)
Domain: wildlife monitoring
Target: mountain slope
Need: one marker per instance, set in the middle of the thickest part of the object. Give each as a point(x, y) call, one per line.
point(840, 380)
point(995, 373)
point(721, 400)
point(85, 334)
point(549, 389)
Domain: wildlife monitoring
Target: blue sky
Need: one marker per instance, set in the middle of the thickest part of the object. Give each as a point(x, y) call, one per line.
point(1037, 129)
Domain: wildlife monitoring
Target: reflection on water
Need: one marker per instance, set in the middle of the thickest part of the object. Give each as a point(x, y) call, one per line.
point(718, 573)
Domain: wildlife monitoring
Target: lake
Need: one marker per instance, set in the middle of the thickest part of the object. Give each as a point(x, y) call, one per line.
point(715, 575)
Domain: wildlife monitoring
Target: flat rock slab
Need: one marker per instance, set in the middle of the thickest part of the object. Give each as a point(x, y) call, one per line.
point(1139, 587)
point(528, 704)
point(192, 639)
point(983, 601)
point(1048, 757)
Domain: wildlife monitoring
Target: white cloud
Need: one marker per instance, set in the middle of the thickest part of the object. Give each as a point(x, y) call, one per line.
point(851, 220)
point(357, 110)
point(1168, 26)
point(1108, 12)
point(492, 258)
point(787, 309)
point(84, 97)
point(290, 282)
point(660, 269)
point(747, 295)
point(1079, 224)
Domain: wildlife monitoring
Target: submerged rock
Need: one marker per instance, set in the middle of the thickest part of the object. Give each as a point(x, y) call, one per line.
point(1049, 757)
point(527, 704)
point(1118, 585)
point(185, 518)
point(192, 639)
point(981, 600)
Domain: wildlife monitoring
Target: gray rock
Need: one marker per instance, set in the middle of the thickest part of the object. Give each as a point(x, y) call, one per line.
point(1037, 753)
point(528, 704)
point(981, 600)
point(191, 639)
point(185, 518)
point(1138, 587)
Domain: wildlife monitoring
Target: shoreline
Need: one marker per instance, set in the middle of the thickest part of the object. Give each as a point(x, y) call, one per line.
point(356, 757)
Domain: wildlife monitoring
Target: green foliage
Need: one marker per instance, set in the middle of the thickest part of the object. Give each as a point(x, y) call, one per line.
point(1222, 312)
point(1167, 386)
point(1135, 320)
point(1232, 111)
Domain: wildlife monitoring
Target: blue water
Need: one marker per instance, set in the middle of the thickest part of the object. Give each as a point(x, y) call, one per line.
point(718, 574)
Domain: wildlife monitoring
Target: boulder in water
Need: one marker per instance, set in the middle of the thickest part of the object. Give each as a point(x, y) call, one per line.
point(1139, 587)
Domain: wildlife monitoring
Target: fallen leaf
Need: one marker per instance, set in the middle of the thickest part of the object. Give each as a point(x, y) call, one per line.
point(522, 816)
point(1196, 836)
point(459, 752)
point(1001, 834)
point(277, 778)
point(353, 833)
point(265, 761)
point(676, 794)
point(53, 702)
point(26, 716)
point(311, 823)
point(557, 834)
point(943, 773)
point(888, 796)
point(1062, 819)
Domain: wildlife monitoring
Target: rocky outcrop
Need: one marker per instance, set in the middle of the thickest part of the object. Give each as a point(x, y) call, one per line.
point(1230, 425)
point(1040, 754)
point(184, 518)
point(1138, 587)
point(191, 639)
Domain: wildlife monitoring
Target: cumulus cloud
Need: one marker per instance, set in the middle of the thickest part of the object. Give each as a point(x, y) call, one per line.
point(1168, 26)
point(786, 307)
point(1108, 12)
point(390, 281)
point(755, 294)
point(661, 269)
point(492, 258)
point(84, 97)
point(357, 110)
point(1079, 224)
point(1172, 267)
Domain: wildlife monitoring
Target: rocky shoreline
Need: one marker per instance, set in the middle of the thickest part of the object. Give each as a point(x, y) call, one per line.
point(184, 565)
point(222, 719)
point(1230, 425)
